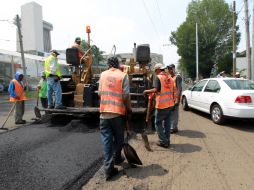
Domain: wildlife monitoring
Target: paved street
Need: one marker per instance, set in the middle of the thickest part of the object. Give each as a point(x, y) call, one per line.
point(203, 156)
point(42, 157)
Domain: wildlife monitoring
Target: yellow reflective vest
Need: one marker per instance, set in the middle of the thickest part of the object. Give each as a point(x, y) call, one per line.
point(52, 66)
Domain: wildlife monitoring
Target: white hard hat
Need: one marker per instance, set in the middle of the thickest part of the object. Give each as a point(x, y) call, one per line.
point(159, 66)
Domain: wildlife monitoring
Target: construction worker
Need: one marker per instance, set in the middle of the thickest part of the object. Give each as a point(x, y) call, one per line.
point(42, 88)
point(114, 105)
point(164, 89)
point(237, 75)
point(17, 95)
point(178, 83)
point(53, 75)
point(77, 45)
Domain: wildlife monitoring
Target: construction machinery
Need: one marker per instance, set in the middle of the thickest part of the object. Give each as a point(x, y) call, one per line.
point(82, 98)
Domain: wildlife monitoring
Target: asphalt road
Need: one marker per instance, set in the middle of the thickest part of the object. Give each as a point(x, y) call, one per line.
point(46, 157)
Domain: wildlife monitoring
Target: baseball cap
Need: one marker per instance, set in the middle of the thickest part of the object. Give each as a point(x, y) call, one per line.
point(171, 66)
point(78, 39)
point(55, 52)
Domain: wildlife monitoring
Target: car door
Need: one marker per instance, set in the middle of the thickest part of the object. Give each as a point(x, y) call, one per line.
point(196, 94)
point(210, 94)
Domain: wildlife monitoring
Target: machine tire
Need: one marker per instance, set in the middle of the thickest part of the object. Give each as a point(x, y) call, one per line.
point(217, 114)
point(185, 104)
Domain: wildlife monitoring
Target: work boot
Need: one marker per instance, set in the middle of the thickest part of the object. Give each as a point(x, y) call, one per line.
point(20, 122)
point(51, 107)
point(60, 107)
point(113, 172)
point(119, 160)
point(164, 145)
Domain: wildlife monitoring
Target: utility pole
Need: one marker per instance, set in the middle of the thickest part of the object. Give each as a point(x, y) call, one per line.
point(234, 39)
point(252, 49)
point(247, 33)
point(17, 22)
point(197, 52)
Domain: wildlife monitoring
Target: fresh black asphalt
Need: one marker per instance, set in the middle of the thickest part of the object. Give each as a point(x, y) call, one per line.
point(39, 157)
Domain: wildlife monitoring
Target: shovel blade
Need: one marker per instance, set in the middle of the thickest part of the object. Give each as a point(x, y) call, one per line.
point(131, 154)
point(37, 112)
point(145, 140)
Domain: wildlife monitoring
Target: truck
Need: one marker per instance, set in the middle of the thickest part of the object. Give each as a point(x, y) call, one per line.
point(80, 88)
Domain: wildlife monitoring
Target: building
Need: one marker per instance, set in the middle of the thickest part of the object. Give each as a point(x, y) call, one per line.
point(35, 31)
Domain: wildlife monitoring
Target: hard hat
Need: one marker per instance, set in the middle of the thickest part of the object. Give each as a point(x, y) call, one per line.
point(159, 66)
point(113, 62)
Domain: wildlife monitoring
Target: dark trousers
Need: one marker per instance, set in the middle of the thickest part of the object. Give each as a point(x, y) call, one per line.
point(44, 102)
point(112, 137)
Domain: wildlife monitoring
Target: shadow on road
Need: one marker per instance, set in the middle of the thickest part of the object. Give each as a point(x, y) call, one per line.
point(185, 148)
point(191, 134)
point(240, 124)
point(243, 125)
point(142, 172)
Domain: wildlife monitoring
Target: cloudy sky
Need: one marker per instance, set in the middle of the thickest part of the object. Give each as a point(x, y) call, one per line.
point(119, 22)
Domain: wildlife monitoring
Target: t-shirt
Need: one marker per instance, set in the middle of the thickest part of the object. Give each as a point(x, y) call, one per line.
point(157, 83)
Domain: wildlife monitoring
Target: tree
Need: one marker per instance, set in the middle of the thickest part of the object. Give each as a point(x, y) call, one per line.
point(95, 51)
point(214, 18)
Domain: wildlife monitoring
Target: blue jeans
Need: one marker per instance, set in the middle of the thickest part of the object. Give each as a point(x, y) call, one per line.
point(163, 119)
point(112, 137)
point(54, 87)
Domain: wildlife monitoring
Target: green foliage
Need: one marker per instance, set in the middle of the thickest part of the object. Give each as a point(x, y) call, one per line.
point(95, 51)
point(215, 20)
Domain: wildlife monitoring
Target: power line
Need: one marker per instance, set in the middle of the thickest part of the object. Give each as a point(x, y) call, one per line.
point(151, 20)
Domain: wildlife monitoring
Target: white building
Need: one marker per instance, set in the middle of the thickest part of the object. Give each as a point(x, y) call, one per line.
point(35, 31)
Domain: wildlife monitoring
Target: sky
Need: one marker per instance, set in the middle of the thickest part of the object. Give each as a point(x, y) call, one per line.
point(112, 22)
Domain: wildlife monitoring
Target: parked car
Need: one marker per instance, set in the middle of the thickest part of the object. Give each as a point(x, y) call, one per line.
point(222, 98)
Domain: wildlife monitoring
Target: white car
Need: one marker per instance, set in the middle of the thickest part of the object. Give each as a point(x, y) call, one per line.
point(222, 98)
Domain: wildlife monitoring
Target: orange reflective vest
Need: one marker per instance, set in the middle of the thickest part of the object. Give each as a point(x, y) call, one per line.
point(166, 97)
point(19, 91)
point(177, 92)
point(111, 91)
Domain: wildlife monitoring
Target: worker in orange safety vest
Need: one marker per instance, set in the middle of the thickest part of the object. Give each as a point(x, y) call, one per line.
point(114, 105)
point(164, 87)
point(17, 95)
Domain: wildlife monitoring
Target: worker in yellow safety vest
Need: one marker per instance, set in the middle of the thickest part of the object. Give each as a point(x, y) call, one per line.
point(164, 87)
point(17, 95)
point(53, 75)
point(114, 105)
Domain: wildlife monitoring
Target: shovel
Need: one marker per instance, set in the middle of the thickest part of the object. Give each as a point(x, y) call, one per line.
point(13, 106)
point(36, 109)
point(129, 151)
point(143, 134)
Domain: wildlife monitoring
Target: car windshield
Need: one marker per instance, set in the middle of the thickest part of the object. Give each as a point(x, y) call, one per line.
point(240, 84)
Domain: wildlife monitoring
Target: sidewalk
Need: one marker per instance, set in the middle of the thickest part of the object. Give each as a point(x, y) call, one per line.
point(202, 156)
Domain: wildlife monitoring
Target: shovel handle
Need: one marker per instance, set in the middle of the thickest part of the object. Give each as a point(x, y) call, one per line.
point(150, 98)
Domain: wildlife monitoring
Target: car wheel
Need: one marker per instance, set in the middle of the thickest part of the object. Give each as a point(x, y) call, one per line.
point(217, 114)
point(185, 103)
